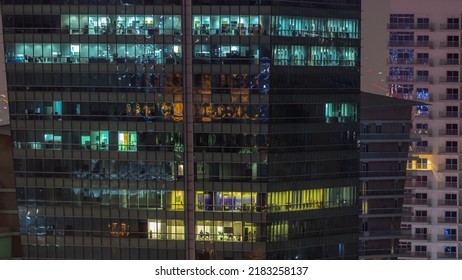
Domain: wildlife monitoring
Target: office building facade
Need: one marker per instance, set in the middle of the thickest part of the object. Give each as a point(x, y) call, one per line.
point(424, 64)
point(185, 129)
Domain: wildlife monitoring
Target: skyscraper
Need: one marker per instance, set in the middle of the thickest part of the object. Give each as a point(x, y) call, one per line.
point(424, 64)
point(185, 129)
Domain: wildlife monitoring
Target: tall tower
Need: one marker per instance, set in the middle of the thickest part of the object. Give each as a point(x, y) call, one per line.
point(168, 129)
point(424, 65)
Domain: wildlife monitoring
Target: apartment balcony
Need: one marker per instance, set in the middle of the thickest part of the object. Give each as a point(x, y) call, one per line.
point(423, 114)
point(383, 156)
point(447, 255)
point(418, 237)
point(410, 61)
point(448, 150)
point(450, 26)
point(418, 133)
point(449, 185)
point(448, 97)
point(382, 234)
point(450, 80)
point(417, 202)
point(378, 253)
point(449, 62)
point(410, 79)
point(445, 238)
point(448, 114)
point(449, 44)
point(409, 26)
point(448, 202)
point(415, 255)
point(449, 132)
point(418, 184)
point(417, 220)
point(384, 194)
point(420, 149)
point(410, 44)
point(383, 137)
point(449, 168)
point(447, 220)
point(385, 174)
point(381, 212)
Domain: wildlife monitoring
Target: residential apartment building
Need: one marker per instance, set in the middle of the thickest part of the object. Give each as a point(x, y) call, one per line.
point(168, 129)
point(386, 123)
point(424, 64)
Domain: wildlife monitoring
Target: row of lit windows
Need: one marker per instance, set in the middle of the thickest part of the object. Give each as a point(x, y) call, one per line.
point(98, 140)
point(204, 201)
point(93, 53)
point(57, 110)
point(174, 229)
point(152, 25)
point(172, 54)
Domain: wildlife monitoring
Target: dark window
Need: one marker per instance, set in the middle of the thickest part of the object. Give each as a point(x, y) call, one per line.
point(451, 164)
point(422, 58)
point(451, 147)
point(453, 23)
point(423, 23)
point(423, 41)
point(452, 111)
point(452, 129)
point(453, 41)
point(452, 94)
point(452, 58)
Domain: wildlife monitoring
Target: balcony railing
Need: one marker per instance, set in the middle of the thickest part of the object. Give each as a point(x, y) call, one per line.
point(417, 201)
point(449, 97)
point(447, 220)
point(411, 44)
point(448, 202)
point(381, 211)
point(449, 61)
point(446, 237)
point(415, 79)
point(427, 237)
point(449, 132)
point(409, 26)
point(420, 149)
point(411, 254)
point(450, 150)
point(410, 61)
point(449, 79)
point(449, 167)
point(449, 26)
point(449, 114)
point(446, 255)
point(417, 132)
point(384, 192)
point(417, 184)
point(449, 185)
point(449, 44)
point(383, 155)
point(414, 219)
point(381, 136)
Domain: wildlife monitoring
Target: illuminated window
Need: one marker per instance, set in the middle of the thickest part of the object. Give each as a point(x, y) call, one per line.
point(339, 112)
point(226, 231)
point(166, 229)
point(96, 140)
point(127, 141)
